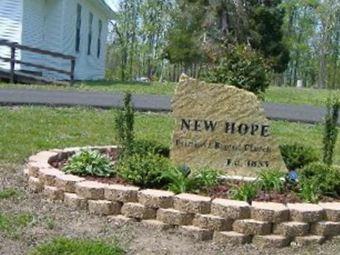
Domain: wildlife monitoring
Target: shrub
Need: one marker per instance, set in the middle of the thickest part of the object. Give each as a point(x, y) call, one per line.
point(124, 125)
point(241, 67)
point(297, 156)
point(144, 170)
point(331, 130)
point(145, 147)
point(246, 192)
point(271, 180)
point(91, 163)
point(326, 178)
point(66, 246)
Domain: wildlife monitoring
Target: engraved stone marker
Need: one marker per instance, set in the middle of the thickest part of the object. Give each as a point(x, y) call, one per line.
point(222, 127)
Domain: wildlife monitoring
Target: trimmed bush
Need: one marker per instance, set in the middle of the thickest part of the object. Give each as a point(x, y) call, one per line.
point(296, 156)
point(144, 170)
point(326, 178)
point(66, 246)
point(90, 163)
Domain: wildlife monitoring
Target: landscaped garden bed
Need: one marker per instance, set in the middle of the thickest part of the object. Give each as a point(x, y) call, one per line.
point(137, 180)
point(272, 224)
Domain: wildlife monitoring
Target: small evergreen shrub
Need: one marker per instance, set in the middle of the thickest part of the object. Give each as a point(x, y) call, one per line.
point(327, 178)
point(66, 246)
point(296, 156)
point(271, 180)
point(241, 67)
point(124, 125)
point(331, 130)
point(144, 170)
point(92, 163)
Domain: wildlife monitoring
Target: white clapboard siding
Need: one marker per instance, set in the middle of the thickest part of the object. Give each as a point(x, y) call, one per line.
point(10, 26)
point(51, 25)
point(87, 67)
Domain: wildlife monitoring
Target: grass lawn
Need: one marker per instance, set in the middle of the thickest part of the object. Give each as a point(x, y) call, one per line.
point(27, 130)
point(30, 225)
point(273, 94)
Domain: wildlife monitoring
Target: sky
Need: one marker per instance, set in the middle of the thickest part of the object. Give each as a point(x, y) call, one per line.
point(113, 3)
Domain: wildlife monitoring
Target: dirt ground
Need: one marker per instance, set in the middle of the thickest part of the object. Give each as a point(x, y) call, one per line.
point(53, 220)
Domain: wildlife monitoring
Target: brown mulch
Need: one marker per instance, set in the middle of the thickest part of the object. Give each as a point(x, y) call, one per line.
point(220, 191)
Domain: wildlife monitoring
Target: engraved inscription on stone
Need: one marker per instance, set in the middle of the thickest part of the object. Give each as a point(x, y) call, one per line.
point(222, 127)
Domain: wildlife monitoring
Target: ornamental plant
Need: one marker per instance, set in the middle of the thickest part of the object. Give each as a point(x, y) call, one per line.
point(271, 180)
point(90, 163)
point(124, 125)
point(331, 130)
point(296, 156)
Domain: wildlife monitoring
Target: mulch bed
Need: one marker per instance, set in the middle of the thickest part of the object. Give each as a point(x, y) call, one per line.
point(220, 191)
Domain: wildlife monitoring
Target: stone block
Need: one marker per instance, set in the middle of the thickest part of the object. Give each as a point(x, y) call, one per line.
point(67, 183)
point(48, 175)
point(230, 209)
point(306, 212)
point(138, 211)
point(231, 238)
point(309, 240)
point(195, 233)
point(90, 190)
point(33, 168)
point(120, 220)
point(271, 241)
point(332, 211)
point(192, 203)
point(212, 222)
point(325, 228)
point(125, 194)
point(291, 228)
point(252, 227)
point(35, 185)
point(53, 193)
point(156, 198)
point(104, 207)
point(74, 201)
point(156, 225)
point(174, 217)
point(271, 212)
point(42, 157)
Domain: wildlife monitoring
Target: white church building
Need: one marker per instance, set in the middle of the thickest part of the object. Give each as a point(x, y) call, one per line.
point(72, 27)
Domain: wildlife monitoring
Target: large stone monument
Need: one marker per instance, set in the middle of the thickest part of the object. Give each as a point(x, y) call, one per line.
point(222, 127)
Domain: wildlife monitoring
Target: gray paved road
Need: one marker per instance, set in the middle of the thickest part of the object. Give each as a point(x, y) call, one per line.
point(295, 113)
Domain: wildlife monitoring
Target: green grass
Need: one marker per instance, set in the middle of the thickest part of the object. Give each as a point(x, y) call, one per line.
point(8, 193)
point(66, 246)
point(285, 95)
point(27, 130)
point(12, 225)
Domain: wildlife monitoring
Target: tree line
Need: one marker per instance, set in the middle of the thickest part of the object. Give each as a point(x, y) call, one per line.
point(297, 39)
